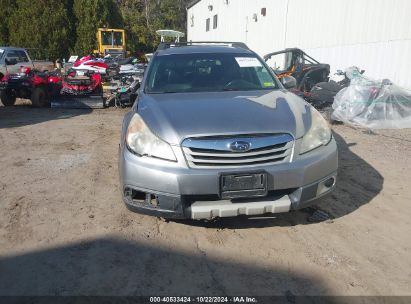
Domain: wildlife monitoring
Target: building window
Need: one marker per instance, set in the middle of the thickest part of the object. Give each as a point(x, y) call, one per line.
point(192, 20)
point(207, 24)
point(215, 21)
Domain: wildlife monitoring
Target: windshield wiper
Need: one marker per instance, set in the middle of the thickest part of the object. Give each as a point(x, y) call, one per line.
point(165, 92)
point(232, 89)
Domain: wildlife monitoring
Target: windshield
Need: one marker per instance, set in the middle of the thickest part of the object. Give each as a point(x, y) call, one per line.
point(208, 73)
point(1, 53)
point(112, 38)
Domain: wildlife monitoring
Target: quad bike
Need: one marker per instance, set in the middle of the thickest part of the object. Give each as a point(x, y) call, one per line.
point(80, 89)
point(296, 63)
point(81, 83)
point(29, 84)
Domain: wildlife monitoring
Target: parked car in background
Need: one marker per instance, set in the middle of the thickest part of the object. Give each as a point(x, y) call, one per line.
point(12, 59)
point(214, 133)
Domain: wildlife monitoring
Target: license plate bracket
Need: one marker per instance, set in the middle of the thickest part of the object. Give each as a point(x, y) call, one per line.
point(243, 185)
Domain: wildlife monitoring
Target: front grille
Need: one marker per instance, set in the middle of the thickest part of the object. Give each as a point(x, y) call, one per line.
point(215, 152)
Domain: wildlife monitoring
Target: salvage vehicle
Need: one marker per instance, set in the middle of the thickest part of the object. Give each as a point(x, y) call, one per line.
point(305, 69)
point(12, 59)
point(29, 84)
point(214, 133)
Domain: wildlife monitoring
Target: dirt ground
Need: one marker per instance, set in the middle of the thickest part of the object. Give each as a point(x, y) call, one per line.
point(65, 231)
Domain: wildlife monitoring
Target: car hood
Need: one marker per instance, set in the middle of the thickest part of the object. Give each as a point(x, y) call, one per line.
point(176, 116)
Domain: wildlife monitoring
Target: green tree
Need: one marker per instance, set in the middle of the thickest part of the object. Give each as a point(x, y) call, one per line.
point(90, 15)
point(143, 17)
point(56, 28)
point(6, 7)
point(173, 14)
point(41, 25)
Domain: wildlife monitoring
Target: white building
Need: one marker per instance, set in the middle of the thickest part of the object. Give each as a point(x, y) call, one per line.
point(374, 35)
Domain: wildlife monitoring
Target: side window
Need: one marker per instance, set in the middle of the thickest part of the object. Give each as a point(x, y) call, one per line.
point(12, 55)
point(215, 19)
point(208, 24)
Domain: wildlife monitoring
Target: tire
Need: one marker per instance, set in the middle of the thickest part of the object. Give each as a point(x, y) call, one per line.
point(39, 97)
point(7, 98)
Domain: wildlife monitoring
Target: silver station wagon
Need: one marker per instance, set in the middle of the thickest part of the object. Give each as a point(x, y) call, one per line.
point(214, 133)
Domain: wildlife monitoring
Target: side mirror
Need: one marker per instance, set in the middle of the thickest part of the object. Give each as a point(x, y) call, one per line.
point(289, 82)
point(11, 61)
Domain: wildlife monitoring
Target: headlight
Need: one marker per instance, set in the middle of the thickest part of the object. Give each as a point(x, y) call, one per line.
point(142, 141)
point(319, 133)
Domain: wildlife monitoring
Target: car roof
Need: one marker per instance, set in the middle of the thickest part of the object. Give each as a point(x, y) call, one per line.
point(203, 49)
point(11, 48)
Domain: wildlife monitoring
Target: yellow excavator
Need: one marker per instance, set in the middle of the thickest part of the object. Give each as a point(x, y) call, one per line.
point(111, 41)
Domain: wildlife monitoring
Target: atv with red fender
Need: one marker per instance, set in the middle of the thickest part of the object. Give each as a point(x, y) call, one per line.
point(29, 84)
point(80, 89)
point(81, 83)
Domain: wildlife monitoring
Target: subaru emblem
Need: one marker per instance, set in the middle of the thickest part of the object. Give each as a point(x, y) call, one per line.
point(239, 146)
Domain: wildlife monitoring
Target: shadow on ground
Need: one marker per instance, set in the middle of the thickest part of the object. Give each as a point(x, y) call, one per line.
point(23, 115)
point(357, 184)
point(114, 267)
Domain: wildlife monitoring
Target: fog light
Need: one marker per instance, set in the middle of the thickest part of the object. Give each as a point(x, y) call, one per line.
point(326, 185)
point(128, 192)
point(329, 182)
point(141, 198)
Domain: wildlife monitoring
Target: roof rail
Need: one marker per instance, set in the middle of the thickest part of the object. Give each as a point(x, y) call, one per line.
point(167, 45)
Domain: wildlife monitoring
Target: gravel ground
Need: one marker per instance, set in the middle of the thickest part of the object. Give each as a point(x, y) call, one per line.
point(65, 231)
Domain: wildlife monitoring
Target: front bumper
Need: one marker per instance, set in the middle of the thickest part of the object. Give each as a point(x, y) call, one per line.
point(173, 190)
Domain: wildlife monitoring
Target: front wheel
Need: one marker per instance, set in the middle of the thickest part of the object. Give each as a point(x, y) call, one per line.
point(7, 98)
point(39, 98)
